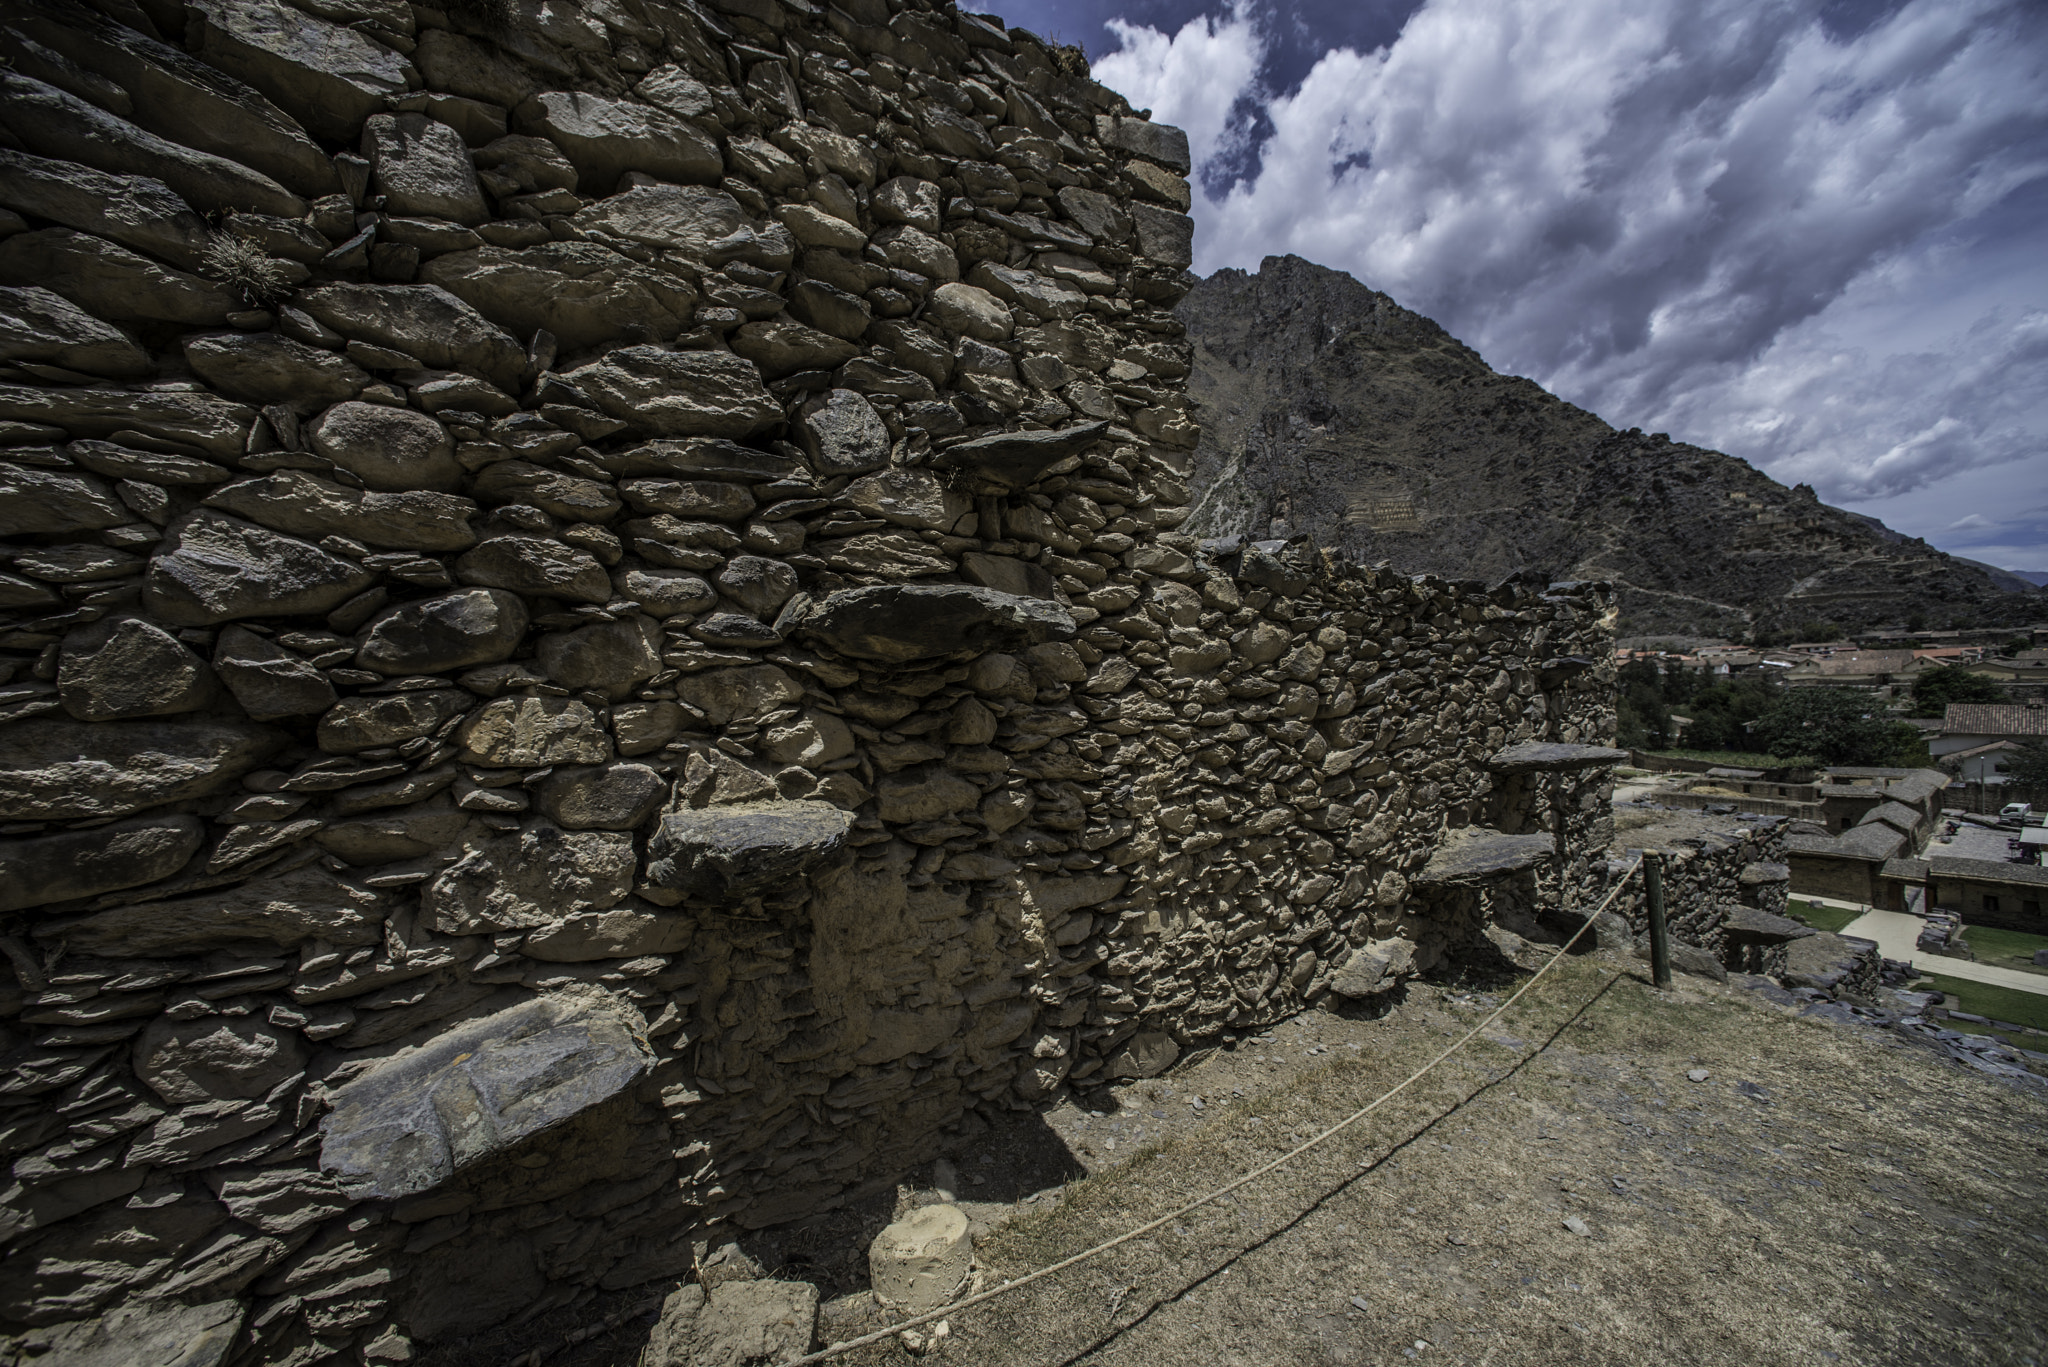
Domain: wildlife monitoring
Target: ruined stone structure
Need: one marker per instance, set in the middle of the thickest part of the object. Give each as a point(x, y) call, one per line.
point(594, 644)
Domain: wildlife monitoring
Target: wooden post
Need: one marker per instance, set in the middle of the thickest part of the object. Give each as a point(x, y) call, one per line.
point(1660, 936)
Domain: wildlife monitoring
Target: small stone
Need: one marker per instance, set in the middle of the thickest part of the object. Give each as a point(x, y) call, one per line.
point(367, 723)
point(921, 1261)
point(663, 593)
point(1697, 1075)
point(1578, 1226)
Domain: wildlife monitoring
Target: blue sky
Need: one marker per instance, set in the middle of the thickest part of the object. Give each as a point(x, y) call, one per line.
point(1811, 233)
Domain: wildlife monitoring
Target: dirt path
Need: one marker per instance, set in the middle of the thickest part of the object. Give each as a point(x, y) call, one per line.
point(1895, 933)
point(1562, 1192)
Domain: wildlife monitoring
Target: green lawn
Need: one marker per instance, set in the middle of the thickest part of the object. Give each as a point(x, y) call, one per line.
point(1998, 1003)
point(2006, 948)
point(1739, 759)
point(1819, 916)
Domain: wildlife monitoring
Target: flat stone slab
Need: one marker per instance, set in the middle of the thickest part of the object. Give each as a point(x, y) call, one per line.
point(899, 623)
point(1751, 926)
point(1762, 872)
point(1535, 756)
point(1012, 460)
point(1478, 856)
point(734, 852)
point(425, 1118)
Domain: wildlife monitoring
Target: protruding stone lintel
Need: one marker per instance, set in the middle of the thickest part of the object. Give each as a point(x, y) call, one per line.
point(1479, 856)
point(1533, 756)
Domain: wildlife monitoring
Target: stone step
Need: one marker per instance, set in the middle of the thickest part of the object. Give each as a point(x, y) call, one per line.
point(1537, 756)
point(1478, 855)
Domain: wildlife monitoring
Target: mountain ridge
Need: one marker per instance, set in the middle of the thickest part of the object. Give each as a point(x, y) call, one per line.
point(1330, 409)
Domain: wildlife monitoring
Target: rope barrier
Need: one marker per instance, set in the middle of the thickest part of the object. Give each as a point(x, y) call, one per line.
point(968, 1302)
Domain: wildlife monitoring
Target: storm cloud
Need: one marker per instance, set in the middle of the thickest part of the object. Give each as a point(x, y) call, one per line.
point(1807, 234)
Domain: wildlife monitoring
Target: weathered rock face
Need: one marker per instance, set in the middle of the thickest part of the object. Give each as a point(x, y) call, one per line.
point(596, 644)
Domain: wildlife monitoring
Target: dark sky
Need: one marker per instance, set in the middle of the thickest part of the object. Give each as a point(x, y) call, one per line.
point(1806, 232)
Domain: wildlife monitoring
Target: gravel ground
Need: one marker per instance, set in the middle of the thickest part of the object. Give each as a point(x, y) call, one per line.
point(1608, 1175)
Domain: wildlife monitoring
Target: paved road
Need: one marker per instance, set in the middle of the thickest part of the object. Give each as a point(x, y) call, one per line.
point(1895, 932)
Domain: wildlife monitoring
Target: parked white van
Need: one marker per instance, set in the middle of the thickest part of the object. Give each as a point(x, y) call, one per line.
point(2015, 811)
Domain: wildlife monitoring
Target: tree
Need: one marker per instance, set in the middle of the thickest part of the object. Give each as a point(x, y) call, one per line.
point(1937, 688)
point(2029, 764)
point(2015, 645)
point(1836, 726)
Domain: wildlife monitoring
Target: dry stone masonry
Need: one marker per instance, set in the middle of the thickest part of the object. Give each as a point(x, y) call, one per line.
point(593, 643)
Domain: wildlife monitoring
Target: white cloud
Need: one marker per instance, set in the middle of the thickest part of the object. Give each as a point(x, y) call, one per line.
point(1712, 217)
point(1191, 80)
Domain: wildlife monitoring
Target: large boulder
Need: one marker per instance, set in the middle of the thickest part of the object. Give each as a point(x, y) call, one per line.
point(533, 877)
point(136, 211)
point(47, 502)
point(215, 1058)
point(425, 322)
point(680, 393)
point(266, 367)
point(306, 505)
point(899, 623)
point(68, 864)
point(529, 733)
point(128, 667)
point(68, 770)
point(387, 448)
point(481, 1091)
point(111, 281)
point(37, 325)
point(606, 138)
point(582, 292)
point(211, 569)
point(732, 853)
point(422, 169)
point(451, 631)
point(1008, 461)
point(268, 680)
point(284, 911)
point(328, 77)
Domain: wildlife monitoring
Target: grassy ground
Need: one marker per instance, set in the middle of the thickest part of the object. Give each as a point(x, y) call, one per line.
point(1998, 1003)
point(1819, 915)
point(2006, 948)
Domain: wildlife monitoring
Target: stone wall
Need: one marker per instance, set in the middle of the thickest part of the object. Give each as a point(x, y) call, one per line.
point(594, 644)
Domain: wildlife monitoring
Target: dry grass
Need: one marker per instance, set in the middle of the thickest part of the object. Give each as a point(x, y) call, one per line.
point(1799, 1206)
point(247, 269)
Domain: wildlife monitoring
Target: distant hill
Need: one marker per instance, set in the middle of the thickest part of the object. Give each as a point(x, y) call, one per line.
point(1327, 408)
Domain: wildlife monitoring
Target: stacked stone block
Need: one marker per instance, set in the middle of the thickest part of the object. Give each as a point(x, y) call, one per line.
point(594, 643)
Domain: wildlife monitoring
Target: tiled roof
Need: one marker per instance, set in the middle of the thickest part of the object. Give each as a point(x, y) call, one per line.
point(1988, 870)
point(1994, 719)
